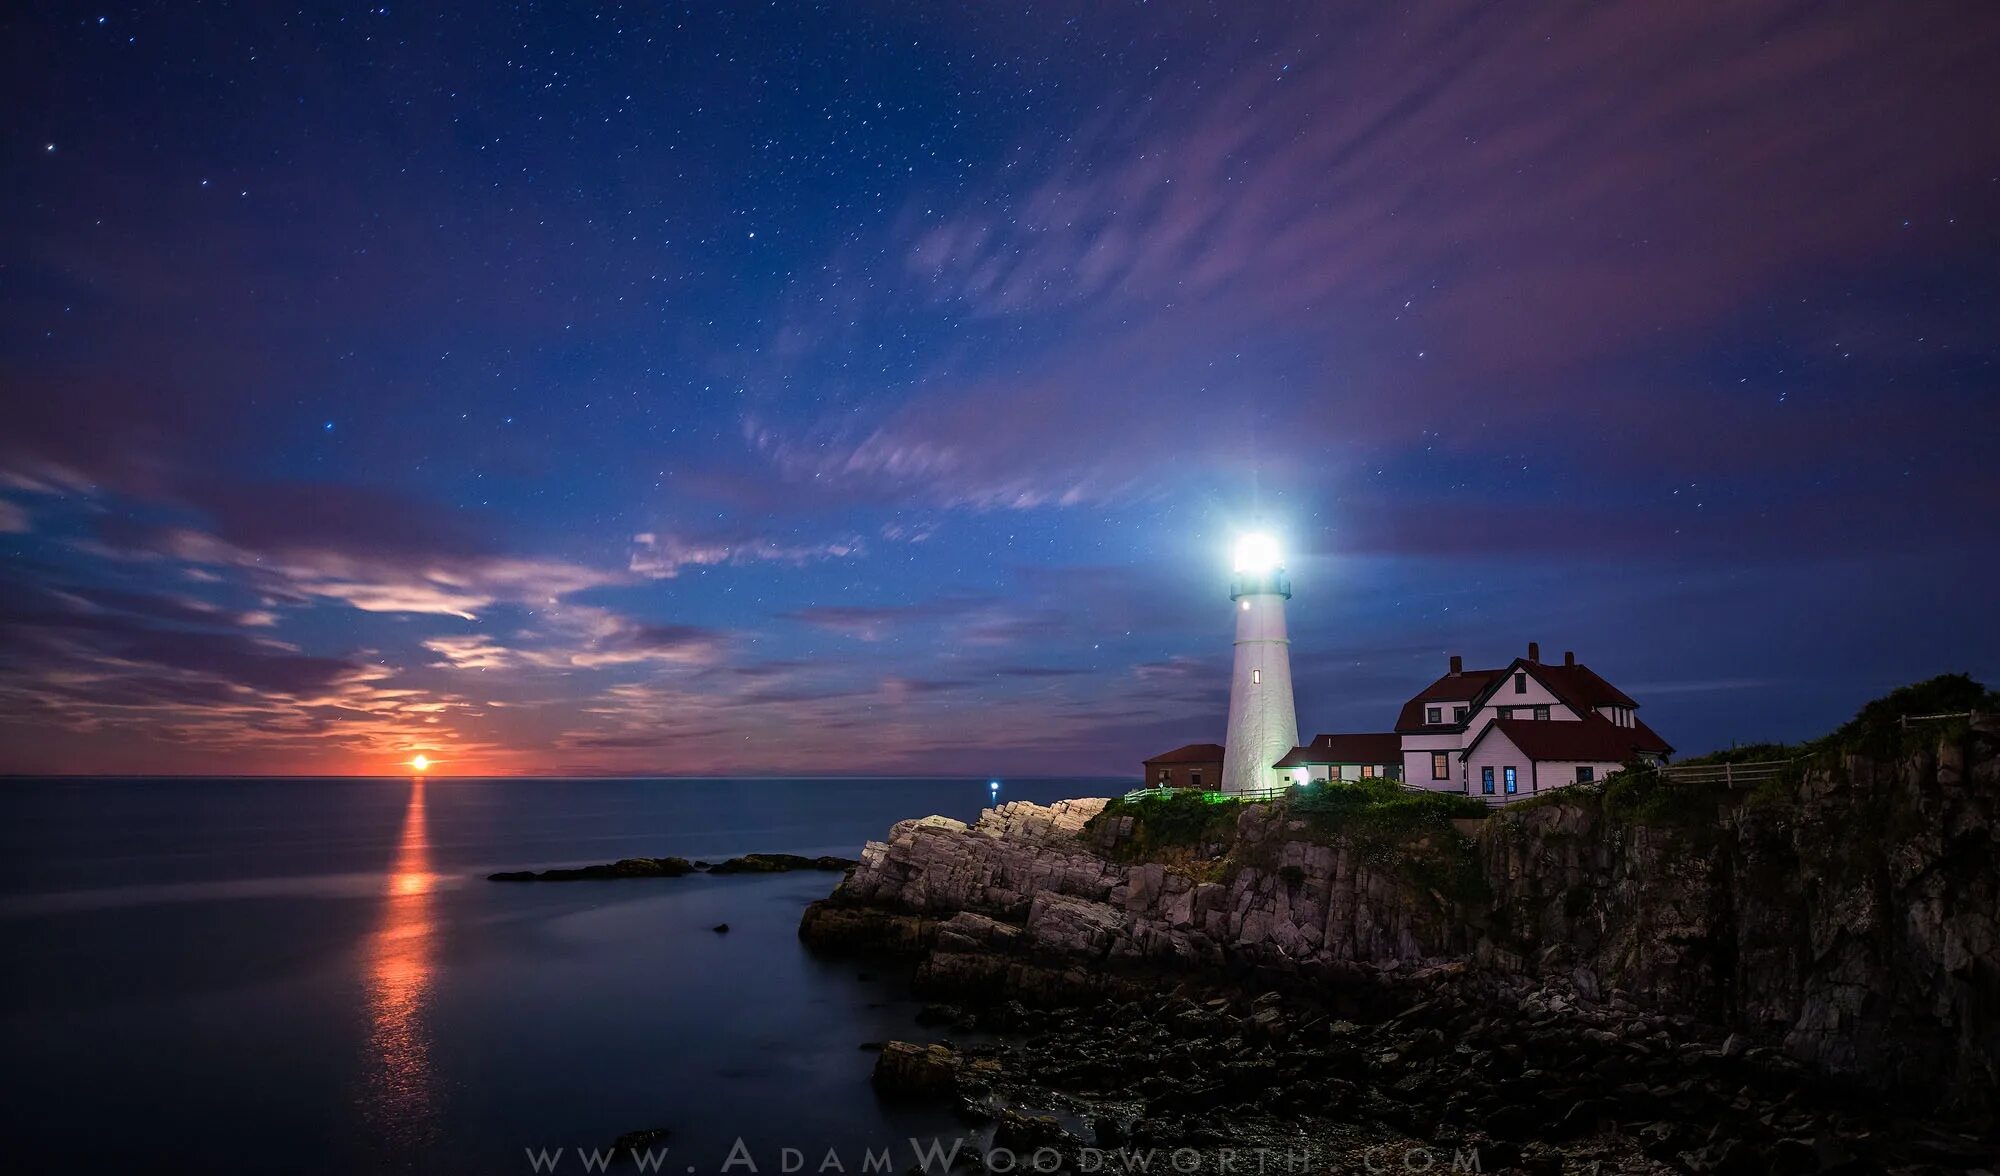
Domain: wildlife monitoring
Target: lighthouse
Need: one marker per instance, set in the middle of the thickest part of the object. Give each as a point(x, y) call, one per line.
point(1263, 724)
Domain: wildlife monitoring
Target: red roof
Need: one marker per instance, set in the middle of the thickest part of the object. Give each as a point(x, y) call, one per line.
point(1193, 753)
point(1577, 685)
point(1593, 739)
point(1365, 748)
point(1462, 687)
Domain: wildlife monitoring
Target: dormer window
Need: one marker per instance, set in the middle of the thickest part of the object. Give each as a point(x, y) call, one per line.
point(1458, 714)
point(1433, 715)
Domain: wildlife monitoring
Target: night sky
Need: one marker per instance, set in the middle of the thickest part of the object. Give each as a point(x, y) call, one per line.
point(878, 387)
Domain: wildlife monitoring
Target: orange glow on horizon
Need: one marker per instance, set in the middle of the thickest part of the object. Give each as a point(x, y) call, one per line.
point(420, 762)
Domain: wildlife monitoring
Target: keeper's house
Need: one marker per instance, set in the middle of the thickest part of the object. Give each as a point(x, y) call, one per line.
point(1498, 734)
point(1523, 728)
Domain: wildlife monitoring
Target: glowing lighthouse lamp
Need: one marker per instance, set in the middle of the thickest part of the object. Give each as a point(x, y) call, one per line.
point(1263, 723)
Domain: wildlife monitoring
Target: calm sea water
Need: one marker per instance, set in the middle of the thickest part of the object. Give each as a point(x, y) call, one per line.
point(314, 976)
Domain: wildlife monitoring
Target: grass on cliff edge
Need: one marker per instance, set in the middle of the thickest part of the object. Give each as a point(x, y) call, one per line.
point(1408, 833)
point(1636, 793)
point(1163, 822)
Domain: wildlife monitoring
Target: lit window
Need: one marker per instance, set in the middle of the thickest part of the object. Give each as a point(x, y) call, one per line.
point(1542, 712)
point(1433, 714)
point(1486, 780)
point(1520, 681)
point(1440, 766)
point(1246, 606)
point(1367, 771)
point(1256, 676)
point(1513, 784)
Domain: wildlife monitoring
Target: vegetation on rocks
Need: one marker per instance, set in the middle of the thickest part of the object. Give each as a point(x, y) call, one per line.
point(1878, 729)
point(1163, 823)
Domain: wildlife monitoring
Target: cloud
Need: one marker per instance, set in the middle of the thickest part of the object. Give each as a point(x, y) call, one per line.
point(14, 518)
point(459, 584)
point(471, 652)
point(663, 556)
point(1459, 223)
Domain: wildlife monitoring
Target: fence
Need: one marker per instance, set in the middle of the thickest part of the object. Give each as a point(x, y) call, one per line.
point(1727, 775)
point(1906, 720)
point(1269, 792)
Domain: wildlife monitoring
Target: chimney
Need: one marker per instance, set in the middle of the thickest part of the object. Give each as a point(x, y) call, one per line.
point(1569, 657)
point(1535, 652)
point(1457, 665)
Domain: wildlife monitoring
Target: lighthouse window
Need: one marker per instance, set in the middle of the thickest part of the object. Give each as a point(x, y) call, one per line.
point(1256, 676)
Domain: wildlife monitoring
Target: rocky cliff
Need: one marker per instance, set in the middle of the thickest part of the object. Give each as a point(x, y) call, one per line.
point(1848, 915)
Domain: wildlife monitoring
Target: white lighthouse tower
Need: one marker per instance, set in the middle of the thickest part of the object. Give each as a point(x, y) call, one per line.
point(1263, 724)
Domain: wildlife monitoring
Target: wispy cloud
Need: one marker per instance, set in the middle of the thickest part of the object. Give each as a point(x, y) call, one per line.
point(662, 556)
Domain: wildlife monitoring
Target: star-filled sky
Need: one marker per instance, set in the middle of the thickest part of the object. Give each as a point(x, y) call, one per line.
point(859, 388)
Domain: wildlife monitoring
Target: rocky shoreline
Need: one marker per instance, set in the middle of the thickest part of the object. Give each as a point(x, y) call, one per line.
point(1795, 982)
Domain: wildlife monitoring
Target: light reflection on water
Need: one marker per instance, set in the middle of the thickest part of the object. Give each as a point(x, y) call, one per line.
point(400, 1089)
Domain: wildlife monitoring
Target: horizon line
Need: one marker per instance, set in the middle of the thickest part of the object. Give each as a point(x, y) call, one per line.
point(9, 776)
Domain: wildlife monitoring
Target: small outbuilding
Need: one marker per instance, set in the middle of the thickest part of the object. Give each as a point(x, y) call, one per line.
point(1197, 765)
point(1356, 756)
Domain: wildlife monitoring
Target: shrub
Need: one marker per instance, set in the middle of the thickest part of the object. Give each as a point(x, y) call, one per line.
point(1877, 729)
point(1172, 820)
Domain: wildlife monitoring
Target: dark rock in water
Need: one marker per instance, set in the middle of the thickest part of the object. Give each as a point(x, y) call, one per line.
point(916, 1071)
point(650, 1137)
point(779, 863)
point(1024, 1133)
point(720, 928)
point(675, 867)
point(666, 867)
point(832, 928)
point(873, 1046)
point(938, 1014)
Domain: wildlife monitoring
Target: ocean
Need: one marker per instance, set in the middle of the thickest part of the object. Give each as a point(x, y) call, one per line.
point(313, 975)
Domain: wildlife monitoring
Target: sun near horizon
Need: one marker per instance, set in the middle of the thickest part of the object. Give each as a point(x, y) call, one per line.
point(420, 762)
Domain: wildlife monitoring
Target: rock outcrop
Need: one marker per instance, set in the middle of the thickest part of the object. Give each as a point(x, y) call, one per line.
point(676, 867)
point(1850, 919)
